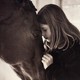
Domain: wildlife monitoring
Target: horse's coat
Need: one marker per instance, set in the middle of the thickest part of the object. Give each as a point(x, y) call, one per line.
point(20, 38)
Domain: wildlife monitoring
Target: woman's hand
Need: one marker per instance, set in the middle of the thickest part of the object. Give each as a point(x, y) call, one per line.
point(47, 60)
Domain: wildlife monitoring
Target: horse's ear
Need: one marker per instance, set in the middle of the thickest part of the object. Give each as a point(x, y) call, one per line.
point(32, 6)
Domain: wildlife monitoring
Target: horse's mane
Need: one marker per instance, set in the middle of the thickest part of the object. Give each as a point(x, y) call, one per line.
point(20, 38)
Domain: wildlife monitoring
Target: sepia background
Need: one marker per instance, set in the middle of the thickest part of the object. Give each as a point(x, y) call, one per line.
point(70, 7)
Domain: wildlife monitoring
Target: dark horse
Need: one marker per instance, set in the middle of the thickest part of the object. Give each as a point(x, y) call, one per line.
point(20, 39)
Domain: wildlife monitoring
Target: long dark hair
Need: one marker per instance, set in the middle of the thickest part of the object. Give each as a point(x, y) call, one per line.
point(20, 38)
point(62, 30)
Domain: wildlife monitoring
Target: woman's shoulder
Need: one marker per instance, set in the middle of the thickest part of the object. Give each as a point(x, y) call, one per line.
point(71, 51)
point(75, 46)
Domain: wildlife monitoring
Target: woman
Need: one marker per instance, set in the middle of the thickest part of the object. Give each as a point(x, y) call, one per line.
point(63, 44)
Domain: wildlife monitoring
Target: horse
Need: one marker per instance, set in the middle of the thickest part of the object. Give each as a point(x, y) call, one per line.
point(21, 43)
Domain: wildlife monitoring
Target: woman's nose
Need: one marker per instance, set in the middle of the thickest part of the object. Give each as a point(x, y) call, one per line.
point(43, 34)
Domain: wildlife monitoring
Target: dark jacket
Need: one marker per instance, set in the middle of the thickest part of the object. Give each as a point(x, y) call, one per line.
point(66, 64)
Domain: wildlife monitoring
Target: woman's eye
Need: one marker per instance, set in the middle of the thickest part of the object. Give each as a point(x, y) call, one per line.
point(44, 30)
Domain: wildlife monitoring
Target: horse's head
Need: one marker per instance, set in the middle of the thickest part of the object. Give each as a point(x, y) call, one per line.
point(20, 38)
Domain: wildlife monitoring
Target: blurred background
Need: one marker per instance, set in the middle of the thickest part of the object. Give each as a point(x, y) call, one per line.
point(70, 7)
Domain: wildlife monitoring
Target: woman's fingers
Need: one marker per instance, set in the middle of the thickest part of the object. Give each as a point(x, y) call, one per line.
point(49, 55)
point(47, 60)
point(44, 64)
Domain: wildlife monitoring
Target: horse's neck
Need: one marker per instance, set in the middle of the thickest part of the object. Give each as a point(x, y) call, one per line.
point(7, 72)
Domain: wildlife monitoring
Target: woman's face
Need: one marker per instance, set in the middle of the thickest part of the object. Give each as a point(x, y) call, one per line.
point(46, 32)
